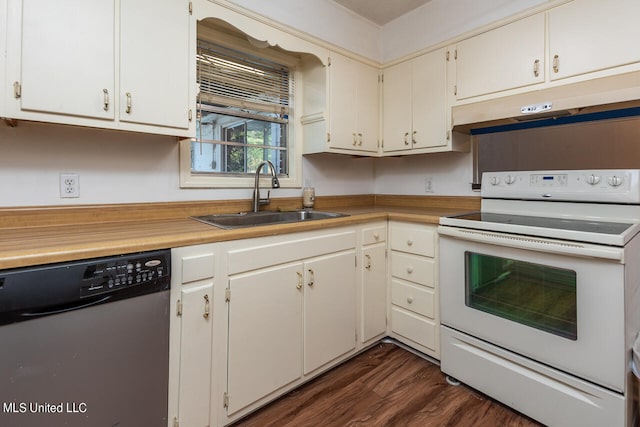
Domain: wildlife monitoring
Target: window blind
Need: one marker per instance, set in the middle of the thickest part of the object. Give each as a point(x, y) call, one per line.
point(236, 79)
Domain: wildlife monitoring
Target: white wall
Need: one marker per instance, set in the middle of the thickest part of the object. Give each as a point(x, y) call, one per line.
point(322, 19)
point(441, 20)
point(123, 167)
point(450, 174)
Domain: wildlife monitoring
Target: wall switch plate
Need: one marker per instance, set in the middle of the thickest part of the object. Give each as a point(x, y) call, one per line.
point(69, 185)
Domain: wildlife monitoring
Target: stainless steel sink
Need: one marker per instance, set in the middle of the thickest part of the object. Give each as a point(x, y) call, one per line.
point(252, 219)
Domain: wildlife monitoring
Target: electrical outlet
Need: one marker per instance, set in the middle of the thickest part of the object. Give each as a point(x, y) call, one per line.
point(428, 184)
point(69, 185)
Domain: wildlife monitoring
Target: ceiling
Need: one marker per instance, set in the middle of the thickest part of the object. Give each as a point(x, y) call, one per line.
point(381, 11)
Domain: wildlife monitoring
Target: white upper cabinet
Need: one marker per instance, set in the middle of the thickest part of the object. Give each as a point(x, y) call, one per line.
point(154, 87)
point(416, 107)
point(592, 35)
point(505, 58)
point(353, 110)
point(110, 64)
point(68, 58)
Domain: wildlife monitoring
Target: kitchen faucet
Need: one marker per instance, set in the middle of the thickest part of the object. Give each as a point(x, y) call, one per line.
point(257, 201)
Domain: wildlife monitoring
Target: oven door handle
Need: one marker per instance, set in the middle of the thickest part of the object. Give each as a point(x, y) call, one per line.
point(534, 243)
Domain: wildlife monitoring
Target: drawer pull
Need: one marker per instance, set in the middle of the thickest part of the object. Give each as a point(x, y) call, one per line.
point(409, 242)
point(376, 236)
point(409, 270)
point(311, 278)
point(206, 307)
point(409, 300)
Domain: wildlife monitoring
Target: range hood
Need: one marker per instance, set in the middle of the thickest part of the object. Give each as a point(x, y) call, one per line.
point(611, 93)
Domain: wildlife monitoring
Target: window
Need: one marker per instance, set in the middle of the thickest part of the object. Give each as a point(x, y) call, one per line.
point(245, 104)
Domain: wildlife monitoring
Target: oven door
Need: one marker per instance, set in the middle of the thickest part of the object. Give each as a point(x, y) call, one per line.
point(558, 303)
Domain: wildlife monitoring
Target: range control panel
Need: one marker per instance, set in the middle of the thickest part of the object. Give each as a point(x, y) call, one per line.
point(111, 274)
point(606, 185)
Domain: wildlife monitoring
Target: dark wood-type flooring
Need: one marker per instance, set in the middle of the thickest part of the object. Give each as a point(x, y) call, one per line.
point(384, 386)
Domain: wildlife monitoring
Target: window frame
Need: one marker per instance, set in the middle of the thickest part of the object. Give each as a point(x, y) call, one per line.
point(189, 179)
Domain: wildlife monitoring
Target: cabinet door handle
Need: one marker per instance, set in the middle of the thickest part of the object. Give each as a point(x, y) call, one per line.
point(299, 285)
point(360, 139)
point(413, 137)
point(536, 68)
point(206, 307)
point(105, 99)
point(355, 140)
point(311, 278)
point(406, 138)
point(556, 63)
point(128, 95)
point(368, 257)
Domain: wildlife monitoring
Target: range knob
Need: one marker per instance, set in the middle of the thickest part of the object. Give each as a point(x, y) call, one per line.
point(593, 179)
point(495, 180)
point(510, 179)
point(614, 180)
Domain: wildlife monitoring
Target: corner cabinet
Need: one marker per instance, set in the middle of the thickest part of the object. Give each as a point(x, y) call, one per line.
point(291, 304)
point(341, 106)
point(88, 64)
point(415, 316)
point(373, 270)
point(353, 110)
point(416, 106)
point(191, 374)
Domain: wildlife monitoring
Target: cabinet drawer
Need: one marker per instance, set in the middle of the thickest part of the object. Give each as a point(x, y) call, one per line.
point(413, 268)
point(197, 267)
point(415, 298)
point(413, 239)
point(375, 234)
point(416, 328)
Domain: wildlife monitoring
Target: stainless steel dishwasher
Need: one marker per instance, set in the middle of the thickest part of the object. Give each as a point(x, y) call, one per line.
point(86, 343)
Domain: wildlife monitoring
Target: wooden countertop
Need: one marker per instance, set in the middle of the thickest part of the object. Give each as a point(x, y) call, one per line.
point(32, 245)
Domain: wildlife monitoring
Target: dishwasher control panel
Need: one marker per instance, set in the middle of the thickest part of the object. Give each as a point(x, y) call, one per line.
point(112, 274)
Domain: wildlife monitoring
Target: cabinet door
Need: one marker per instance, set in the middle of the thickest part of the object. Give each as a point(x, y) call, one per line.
point(343, 102)
point(68, 58)
point(430, 100)
point(502, 59)
point(592, 35)
point(396, 117)
point(368, 108)
point(374, 291)
point(195, 355)
point(154, 62)
point(329, 308)
point(265, 333)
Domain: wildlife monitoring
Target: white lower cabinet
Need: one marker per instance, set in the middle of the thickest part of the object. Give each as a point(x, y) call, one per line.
point(291, 313)
point(415, 317)
point(290, 307)
point(191, 336)
point(265, 333)
point(373, 270)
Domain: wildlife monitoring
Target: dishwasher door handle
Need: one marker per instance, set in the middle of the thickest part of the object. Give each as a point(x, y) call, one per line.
point(66, 309)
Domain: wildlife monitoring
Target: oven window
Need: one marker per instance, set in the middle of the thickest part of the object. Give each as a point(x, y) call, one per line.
point(534, 295)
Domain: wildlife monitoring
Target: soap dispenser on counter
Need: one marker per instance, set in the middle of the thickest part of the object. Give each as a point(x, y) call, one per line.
point(308, 197)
